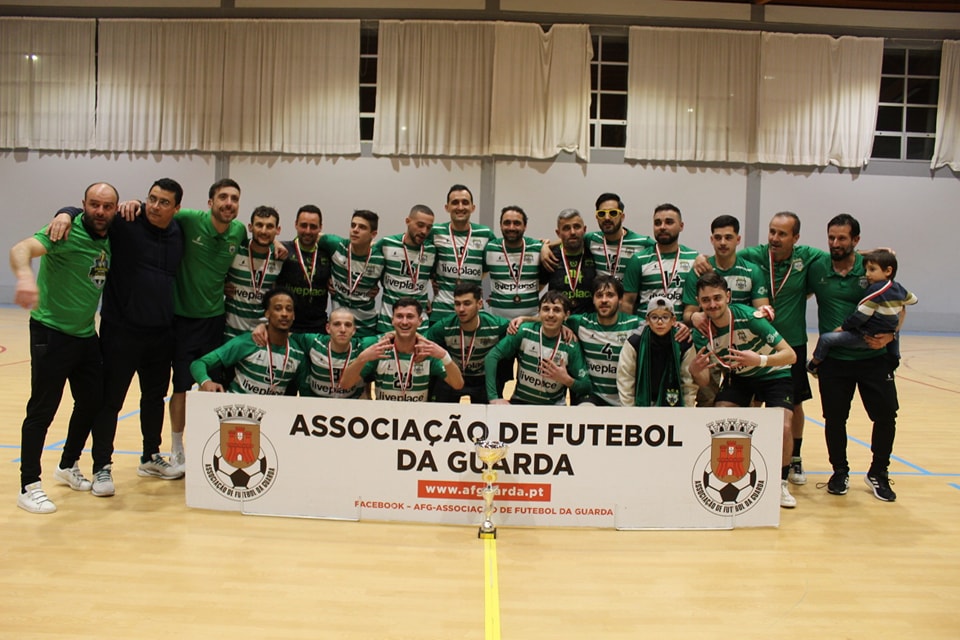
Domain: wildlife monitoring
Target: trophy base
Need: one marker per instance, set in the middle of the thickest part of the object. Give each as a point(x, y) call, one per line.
point(487, 534)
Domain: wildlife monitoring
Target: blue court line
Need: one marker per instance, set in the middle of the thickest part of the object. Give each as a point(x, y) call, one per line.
point(920, 469)
point(954, 485)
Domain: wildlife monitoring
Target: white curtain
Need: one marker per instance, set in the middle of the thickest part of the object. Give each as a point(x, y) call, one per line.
point(433, 88)
point(292, 87)
point(161, 85)
point(47, 83)
point(220, 85)
point(817, 101)
point(541, 91)
point(946, 149)
point(692, 94)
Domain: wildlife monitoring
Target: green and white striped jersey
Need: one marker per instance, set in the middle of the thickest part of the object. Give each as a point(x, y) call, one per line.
point(749, 334)
point(406, 272)
point(612, 258)
point(459, 259)
point(601, 347)
point(252, 275)
point(510, 279)
point(745, 279)
point(399, 379)
point(352, 278)
point(468, 349)
point(320, 378)
point(258, 370)
point(645, 276)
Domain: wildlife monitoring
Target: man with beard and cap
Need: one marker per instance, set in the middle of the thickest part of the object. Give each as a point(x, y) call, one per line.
point(660, 270)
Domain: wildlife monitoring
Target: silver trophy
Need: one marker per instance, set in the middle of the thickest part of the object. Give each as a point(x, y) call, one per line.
point(490, 452)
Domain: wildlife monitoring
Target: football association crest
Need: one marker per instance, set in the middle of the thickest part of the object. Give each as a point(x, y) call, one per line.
point(239, 461)
point(729, 477)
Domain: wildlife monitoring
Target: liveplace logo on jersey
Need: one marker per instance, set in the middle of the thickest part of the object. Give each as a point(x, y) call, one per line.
point(729, 477)
point(239, 461)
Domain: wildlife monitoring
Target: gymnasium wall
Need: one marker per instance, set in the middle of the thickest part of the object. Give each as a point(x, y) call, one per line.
point(915, 214)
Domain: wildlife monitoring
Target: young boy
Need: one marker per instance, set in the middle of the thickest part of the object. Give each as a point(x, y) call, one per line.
point(880, 310)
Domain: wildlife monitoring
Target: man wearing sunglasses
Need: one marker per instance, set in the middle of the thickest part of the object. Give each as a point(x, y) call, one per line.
point(613, 245)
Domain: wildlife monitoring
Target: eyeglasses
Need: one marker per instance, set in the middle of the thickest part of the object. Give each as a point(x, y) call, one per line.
point(608, 213)
point(660, 319)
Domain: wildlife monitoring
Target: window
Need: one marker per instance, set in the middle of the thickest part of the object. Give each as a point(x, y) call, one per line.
point(368, 84)
point(907, 114)
point(608, 92)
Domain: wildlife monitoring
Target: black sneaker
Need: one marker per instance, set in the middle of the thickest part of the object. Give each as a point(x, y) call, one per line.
point(838, 483)
point(880, 484)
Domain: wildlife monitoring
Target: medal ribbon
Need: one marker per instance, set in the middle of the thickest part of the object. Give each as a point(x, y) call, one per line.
point(506, 258)
point(732, 342)
point(460, 259)
point(303, 265)
point(465, 355)
point(334, 384)
point(556, 347)
point(406, 381)
point(286, 357)
point(774, 289)
point(414, 276)
point(257, 277)
point(353, 283)
point(673, 274)
point(616, 260)
point(572, 280)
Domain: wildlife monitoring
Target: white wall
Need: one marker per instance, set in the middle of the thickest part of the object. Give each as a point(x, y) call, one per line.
point(917, 216)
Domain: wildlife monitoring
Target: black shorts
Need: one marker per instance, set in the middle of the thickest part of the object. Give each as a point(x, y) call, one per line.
point(741, 391)
point(193, 338)
point(798, 371)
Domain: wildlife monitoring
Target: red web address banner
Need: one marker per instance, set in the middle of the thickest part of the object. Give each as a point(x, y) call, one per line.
point(505, 491)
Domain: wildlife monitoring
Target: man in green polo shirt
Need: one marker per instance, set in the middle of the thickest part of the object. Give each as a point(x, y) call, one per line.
point(839, 285)
point(785, 265)
point(63, 340)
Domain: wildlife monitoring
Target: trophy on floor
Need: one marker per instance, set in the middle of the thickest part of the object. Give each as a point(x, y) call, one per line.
point(490, 452)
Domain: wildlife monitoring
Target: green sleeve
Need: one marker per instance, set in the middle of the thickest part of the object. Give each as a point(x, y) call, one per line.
point(573, 322)
point(506, 348)
point(437, 369)
point(631, 275)
point(577, 367)
point(226, 355)
point(757, 255)
point(760, 288)
point(435, 333)
point(690, 288)
point(329, 243)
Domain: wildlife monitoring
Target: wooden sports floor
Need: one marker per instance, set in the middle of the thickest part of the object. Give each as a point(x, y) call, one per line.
point(143, 565)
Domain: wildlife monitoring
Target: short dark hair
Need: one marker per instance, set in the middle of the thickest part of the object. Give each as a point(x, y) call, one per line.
point(309, 208)
point(712, 279)
point(609, 196)
point(604, 282)
point(513, 207)
point(221, 184)
point(273, 293)
point(459, 187)
point(883, 259)
point(408, 301)
point(422, 208)
point(725, 221)
point(792, 216)
point(369, 216)
point(264, 211)
point(552, 296)
point(666, 206)
point(846, 220)
point(171, 185)
point(465, 288)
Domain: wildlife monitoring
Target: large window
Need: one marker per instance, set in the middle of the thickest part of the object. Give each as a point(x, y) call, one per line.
point(907, 116)
point(368, 83)
point(608, 92)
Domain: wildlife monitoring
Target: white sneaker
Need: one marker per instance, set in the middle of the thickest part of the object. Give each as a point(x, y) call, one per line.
point(35, 500)
point(158, 467)
point(103, 482)
point(178, 462)
point(73, 478)
point(796, 474)
point(787, 501)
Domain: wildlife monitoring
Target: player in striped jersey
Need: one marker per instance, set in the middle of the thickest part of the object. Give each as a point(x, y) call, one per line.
point(460, 248)
point(613, 245)
point(602, 335)
point(659, 271)
point(467, 336)
point(513, 262)
point(408, 261)
point(252, 273)
point(356, 266)
point(547, 365)
point(402, 363)
point(259, 370)
point(754, 358)
point(328, 355)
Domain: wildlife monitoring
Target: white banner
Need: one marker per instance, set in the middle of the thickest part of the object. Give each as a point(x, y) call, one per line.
point(625, 468)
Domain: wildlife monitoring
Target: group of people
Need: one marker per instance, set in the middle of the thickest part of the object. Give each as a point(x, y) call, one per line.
point(610, 317)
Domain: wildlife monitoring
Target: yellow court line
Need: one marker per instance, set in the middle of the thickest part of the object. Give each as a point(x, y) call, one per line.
point(491, 590)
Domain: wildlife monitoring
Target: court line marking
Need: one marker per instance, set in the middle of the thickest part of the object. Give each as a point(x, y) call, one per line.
point(491, 590)
point(954, 485)
point(920, 469)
